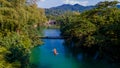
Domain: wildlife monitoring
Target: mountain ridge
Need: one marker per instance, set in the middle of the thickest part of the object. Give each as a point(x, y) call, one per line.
point(67, 7)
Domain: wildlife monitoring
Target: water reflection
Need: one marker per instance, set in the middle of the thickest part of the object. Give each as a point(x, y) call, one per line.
point(43, 56)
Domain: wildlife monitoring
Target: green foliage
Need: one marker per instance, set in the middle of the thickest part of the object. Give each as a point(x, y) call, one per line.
point(18, 32)
point(98, 27)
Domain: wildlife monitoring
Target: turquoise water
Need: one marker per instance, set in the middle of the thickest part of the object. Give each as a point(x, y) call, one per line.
point(43, 57)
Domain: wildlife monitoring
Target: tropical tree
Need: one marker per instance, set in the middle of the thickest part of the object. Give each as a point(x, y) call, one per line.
point(18, 32)
point(97, 29)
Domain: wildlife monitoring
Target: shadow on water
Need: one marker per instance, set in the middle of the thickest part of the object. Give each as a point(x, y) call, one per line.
point(43, 56)
point(40, 66)
point(89, 57)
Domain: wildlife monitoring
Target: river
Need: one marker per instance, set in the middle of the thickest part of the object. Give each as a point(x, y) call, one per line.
point(43, 56)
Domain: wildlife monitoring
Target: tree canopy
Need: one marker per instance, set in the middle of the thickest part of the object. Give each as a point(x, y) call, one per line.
point(99, 27)
point(18, 30)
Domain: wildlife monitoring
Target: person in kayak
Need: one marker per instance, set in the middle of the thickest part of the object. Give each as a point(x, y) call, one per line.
point(55, 51)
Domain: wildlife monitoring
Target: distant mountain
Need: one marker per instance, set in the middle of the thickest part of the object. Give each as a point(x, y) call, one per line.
point(76, 7)
point(67, 7)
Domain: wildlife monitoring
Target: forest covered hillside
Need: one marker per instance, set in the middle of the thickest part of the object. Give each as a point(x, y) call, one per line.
point(67, 7)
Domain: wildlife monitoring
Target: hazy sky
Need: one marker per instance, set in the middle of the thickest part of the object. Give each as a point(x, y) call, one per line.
point(53, 3)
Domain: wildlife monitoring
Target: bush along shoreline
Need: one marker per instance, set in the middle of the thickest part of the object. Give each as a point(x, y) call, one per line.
point(94, 30)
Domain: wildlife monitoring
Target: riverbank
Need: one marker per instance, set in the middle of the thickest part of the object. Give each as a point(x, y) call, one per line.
point(43, 56)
